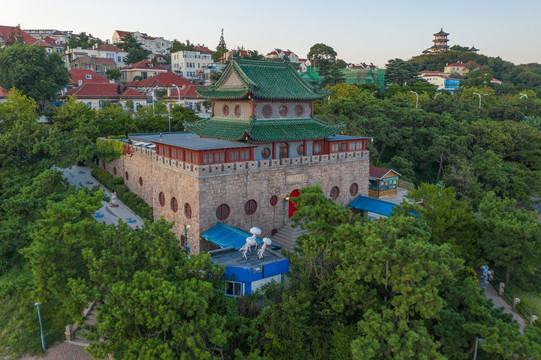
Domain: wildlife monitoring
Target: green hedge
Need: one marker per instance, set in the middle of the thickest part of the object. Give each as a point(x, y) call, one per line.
point(134, 202)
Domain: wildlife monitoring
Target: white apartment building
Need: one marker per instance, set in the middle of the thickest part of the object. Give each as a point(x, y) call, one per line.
point(153, 45)
point(192, 65)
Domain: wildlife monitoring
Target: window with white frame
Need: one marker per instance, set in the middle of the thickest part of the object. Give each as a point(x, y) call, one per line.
point(234, 288)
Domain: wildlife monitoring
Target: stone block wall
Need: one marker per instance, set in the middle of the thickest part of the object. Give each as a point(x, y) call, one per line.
point(205, 188)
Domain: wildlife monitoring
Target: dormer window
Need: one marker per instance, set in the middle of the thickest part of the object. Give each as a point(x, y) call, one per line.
point(88, 77)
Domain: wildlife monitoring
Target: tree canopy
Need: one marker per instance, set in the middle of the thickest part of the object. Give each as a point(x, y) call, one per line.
point(32, 70)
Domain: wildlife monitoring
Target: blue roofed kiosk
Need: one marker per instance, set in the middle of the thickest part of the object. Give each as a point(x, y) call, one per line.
point(240, 166)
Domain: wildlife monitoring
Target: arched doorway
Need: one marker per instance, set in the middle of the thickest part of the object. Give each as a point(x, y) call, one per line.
point(292, 207)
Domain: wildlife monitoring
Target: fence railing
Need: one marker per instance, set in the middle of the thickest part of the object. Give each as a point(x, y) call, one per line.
point(509, 297)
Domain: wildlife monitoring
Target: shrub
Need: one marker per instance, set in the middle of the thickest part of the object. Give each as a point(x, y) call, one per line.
point(134, 202)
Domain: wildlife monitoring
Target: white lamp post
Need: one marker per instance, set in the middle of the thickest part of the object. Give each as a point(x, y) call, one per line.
point(476, 341)
point(153, 90)
point(178, 92)
point(417, 98)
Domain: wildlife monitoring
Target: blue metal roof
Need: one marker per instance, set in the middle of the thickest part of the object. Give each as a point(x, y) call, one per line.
point(372, 205)
point(224, 236)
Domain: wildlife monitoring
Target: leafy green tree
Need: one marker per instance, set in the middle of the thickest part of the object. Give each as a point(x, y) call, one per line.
point(113, 74)
point(452, 221)
point(134, 49)
point(400, 72)
point(30, 69)
point(82, 41)
point(510, 238)
point(325, 58)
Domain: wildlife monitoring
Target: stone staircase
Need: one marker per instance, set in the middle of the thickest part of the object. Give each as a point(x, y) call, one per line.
point(76, 334)
point(287, 235)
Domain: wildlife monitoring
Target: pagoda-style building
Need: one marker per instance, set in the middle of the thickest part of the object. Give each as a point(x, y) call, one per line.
point(440, 42)
point(241, 167)
point(264, 102)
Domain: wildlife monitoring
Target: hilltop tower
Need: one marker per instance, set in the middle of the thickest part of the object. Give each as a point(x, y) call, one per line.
point(440, 42)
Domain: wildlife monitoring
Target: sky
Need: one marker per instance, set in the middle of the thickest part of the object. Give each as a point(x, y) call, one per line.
point(359, 31)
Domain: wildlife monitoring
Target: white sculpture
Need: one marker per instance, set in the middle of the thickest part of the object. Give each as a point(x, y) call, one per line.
point(266, 242)
point(250, 242)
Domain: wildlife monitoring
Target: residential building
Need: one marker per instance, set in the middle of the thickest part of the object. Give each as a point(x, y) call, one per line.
point(460, 68)
point(442, 80)
point(152, 45)
point(241, 166)
point(99, 65)
point(79, 77)
point(59, 37)
point(244, 276)
point(193, 65)
point(14, 33)
point(440, 42)
point(187, 97)
point(143, 69)
point(280, 54)
point(163, 81)
point(96, 95)
point(229, 55)
point(103, 51)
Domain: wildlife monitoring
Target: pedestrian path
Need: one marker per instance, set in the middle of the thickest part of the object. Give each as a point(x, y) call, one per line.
point(80, 176)
point(491, 293)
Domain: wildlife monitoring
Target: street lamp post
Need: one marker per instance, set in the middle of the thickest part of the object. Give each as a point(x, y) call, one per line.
point(153, 90)
point(479, 98)
point(477, 339)
point(523, 95)
point(178, 92)
point(40, 327)
point(435, 96)
point(417, 98)
point(374, 92)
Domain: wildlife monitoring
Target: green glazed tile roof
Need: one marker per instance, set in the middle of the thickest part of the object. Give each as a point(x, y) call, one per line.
point(225, 129)
point(270, 80)
point(264, 130)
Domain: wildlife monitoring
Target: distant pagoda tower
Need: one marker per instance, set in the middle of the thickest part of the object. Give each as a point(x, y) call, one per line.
point(440, 42)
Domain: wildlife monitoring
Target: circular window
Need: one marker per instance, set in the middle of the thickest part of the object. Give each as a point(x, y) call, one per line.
point(161, 198)
point(267, 111)
point(140, 181)
point(274, 200)
point(266, 153)
point(127, 176)
point(335, 192)
point(222, 212)
point(226, 110)
point(283, 110)
point(300, 149)
point(114, 170)
point(299, 110)
point(250, 207)
point(188, 211)
point(174, 204)
point(238, 111)
point(354, 189)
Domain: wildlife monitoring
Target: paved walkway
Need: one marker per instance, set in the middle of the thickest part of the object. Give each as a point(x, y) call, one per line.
point(491, 293)
point(80, 176)
point(62, 351)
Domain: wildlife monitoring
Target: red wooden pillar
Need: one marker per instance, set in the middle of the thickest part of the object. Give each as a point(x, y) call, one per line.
point(273, 150)
point(212, 106)
point(304, 148)
point(252, 108)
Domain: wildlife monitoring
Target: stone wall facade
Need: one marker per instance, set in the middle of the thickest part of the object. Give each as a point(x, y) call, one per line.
point(205, 188)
